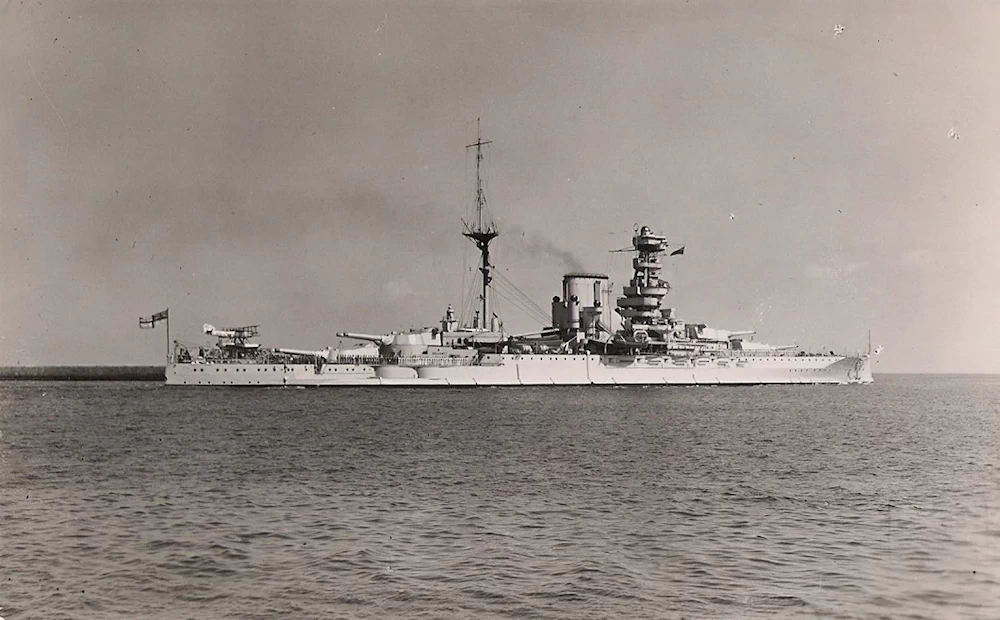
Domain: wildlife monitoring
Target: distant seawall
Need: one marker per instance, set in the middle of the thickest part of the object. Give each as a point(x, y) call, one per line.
point(82, 373)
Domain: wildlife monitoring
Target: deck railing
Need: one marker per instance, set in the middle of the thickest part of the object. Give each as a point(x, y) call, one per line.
point(427, 360)
point(417, 360)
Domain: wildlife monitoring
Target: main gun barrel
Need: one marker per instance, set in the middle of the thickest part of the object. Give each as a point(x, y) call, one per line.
point(368, 337)
point(303, 352)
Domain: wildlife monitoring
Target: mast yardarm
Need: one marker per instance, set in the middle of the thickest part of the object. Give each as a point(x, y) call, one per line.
point(484, 232)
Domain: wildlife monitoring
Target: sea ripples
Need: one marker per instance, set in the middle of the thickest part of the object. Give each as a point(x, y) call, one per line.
point(130, 500)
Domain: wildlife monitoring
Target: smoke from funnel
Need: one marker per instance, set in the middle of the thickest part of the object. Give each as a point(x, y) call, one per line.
point(538, 246)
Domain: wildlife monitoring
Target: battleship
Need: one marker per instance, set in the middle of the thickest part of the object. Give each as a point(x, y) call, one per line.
point(644, 344)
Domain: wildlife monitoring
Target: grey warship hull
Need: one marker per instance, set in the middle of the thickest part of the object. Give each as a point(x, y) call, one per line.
point(535, 370)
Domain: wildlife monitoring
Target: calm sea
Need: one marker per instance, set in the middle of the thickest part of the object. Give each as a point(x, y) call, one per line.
point(131, 500)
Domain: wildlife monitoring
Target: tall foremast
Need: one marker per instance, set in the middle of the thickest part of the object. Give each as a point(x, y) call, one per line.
point(483, 231)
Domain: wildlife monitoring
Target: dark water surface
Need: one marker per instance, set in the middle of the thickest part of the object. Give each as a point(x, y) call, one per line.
point(131, 500)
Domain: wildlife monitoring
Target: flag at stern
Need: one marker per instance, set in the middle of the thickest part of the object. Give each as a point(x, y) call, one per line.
point(151, 322)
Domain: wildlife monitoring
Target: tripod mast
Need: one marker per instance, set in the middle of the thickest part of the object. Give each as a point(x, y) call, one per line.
point(484, 232)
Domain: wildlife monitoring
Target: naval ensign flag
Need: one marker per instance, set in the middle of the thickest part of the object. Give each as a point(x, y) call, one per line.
point(151, 322)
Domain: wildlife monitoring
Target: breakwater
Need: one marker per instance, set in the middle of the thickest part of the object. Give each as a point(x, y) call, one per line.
point(82, 373)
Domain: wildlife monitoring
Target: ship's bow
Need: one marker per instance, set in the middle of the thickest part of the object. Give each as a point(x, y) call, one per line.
point(861, 372)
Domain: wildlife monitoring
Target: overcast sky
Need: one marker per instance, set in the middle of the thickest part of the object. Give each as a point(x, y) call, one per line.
point(831, 167)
